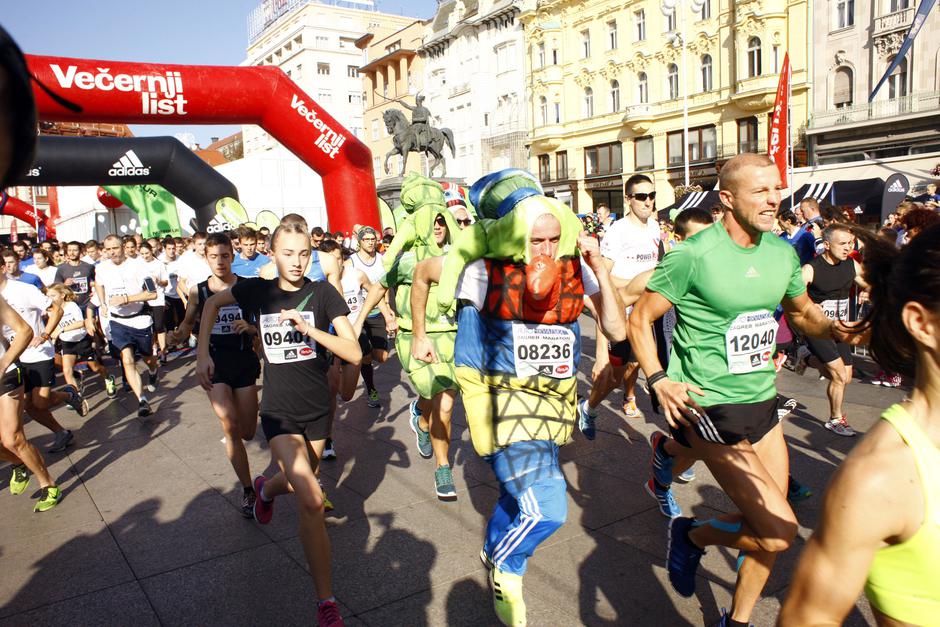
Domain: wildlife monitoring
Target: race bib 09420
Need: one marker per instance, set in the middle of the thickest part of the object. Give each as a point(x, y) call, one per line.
point(750, 341)
point(283, 343)
point(543, 349)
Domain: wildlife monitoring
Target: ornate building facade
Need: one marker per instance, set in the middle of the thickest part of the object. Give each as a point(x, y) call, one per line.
point(857, 43)
point(393, 71)
point(474, 83)
point(607, 81)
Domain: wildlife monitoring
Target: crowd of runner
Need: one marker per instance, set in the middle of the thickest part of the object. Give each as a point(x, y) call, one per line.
point(484, 291)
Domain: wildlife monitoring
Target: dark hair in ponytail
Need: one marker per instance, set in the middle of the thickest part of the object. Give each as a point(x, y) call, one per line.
point(899, 276)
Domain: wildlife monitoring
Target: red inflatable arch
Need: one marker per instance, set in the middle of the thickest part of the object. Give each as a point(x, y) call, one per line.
point(147, 93)
point(13, 206)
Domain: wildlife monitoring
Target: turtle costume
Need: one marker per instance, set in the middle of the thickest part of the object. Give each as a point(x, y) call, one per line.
point(423, 200)
point(516, 358)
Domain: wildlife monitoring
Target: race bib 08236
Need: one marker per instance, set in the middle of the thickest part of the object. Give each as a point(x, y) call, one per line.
point(750, 341)
point(283, 343)
point(543, 349)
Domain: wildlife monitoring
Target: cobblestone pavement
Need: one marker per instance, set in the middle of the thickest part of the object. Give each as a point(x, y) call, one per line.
point(149, 530)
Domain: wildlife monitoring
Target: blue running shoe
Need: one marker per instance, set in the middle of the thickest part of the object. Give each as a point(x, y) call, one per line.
point(586, 420)
point(682, 557)
point(688, 476)
point(665, 499)
point(797, 492)
point(660, 461)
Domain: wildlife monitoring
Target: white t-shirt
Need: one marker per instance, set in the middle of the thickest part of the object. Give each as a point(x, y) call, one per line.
point(46, 275)
point(31, 304)
point(473, 282)
point(173, 276)
point(71, 312)
point(352, 293)
point(633, 248)
point(374, 272)
point(193, 269)
point(157, 271)
point(126, 279)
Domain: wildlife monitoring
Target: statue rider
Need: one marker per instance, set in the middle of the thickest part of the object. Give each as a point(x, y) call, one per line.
point(420, 119)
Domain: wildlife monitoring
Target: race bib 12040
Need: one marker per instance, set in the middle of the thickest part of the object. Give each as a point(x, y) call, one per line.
point(225, 320)
point(750, 340)
point(543, 349)
point(283, 343)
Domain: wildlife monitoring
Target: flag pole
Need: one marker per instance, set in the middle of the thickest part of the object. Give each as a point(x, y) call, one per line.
point(792, 184)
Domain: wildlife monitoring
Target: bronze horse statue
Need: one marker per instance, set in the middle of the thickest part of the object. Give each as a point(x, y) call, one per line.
point(405, 140)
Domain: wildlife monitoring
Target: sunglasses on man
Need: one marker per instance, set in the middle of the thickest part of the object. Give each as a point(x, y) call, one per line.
point(642, 196)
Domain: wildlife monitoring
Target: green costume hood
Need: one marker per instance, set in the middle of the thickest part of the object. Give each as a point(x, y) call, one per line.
point(510, 202)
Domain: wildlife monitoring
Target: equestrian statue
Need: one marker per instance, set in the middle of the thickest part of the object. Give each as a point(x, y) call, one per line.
point(418, 136)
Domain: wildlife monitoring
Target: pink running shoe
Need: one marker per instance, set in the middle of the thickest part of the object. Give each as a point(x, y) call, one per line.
point(894, 381)
point(264, 510)
point(328, 614)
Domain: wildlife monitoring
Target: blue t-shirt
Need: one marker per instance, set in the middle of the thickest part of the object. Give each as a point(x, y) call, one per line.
point(803, 242)
point(32, 279)
point(26, 263)
point(249, 267)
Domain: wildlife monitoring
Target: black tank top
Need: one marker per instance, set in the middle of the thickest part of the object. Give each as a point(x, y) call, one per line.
point(831, 282)
point(223, 337)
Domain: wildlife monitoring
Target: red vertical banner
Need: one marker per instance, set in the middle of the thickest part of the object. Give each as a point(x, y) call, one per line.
point(778, 129)
point(13, 230)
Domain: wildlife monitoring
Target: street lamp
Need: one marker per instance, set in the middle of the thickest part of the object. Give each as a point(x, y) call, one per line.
point(669, 8)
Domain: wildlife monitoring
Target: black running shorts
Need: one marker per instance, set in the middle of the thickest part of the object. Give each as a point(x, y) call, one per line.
point(312, 430)
point(40, 374)
point(732, 423)
point(11, 380)
point(236, 369)
point(82, 349)
point(376, 335)
point(829, 350)
point(159, 318)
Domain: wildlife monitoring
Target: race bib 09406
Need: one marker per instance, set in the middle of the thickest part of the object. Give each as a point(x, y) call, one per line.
point(225, 320)
point(543, 349)
point(283, 343)
point(750, 340)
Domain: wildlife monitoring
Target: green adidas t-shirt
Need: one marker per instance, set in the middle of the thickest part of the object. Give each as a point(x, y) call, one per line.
point(725, 296)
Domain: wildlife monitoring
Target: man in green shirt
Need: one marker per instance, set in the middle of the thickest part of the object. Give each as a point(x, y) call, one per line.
point(725, 283)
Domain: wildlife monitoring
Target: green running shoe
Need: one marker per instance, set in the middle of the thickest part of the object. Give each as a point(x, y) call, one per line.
point(374, 401)
point(19, 480)
point(444, 483)
point(110, 387)
point(507, 598)
point(48, 498)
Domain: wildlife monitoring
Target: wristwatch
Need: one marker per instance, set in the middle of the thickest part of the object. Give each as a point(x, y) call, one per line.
point(44, 335)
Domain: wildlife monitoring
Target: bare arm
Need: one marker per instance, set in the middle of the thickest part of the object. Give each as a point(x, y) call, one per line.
point(426, 272)
point(345, 344)
point(808, 273)
point(99, 289)
point(330, 268)
point(632, 291)
point(186, 326)
point(204, 364)
point(22, 334)
point(859, 279)
point(53, 317)
point(808, 318)
point(608, 307)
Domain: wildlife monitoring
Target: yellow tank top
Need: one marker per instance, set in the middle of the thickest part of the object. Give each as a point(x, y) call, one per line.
point(904, 580)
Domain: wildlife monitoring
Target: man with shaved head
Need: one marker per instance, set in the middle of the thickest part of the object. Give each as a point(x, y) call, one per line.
point(719, 395)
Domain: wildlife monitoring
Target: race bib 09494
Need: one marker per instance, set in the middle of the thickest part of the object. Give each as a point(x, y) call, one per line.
point(283, 343)
point(543, 349)
point(750, 340)
point(225, 320)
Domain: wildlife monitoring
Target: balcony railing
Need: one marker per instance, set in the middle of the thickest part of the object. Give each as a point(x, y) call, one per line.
point(914, 103)
point(899, 20)
point(555, 177)
point(726, 151)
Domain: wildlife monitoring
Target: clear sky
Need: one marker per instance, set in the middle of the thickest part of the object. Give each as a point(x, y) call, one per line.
point(197, 32)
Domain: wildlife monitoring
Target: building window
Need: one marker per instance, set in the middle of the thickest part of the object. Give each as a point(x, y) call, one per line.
point(897, 82)
point(323, 69)
point(612, 35)
point(505, 57)
point(845, 13)
point(355, 98)
point(643, 88)
point(603, 159)
point(776, 50)
point(561, 165)
point(541, 55)
point(322, 41)
point(671, 21)
point(747, 135)
point(753, 57)
point(377, 166)
point(543, 109)
point(554, 56)
point(639, 19)
point(900, 5)
point(643, 153)
point(706, 72)
point(375, 130)
point(545, 168)
point(587, 110)
point(672, 80)
point(842, 88)
point(324, 96)
point(352, 71)
point(702, 145)
point(557, 113)
point(706, 10)
point(614, 96)
point(585, 44)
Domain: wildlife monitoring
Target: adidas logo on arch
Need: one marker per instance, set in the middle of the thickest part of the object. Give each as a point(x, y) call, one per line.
point(129, 165)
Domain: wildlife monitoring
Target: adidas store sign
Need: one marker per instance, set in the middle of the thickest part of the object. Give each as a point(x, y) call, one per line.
point(129, 165)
